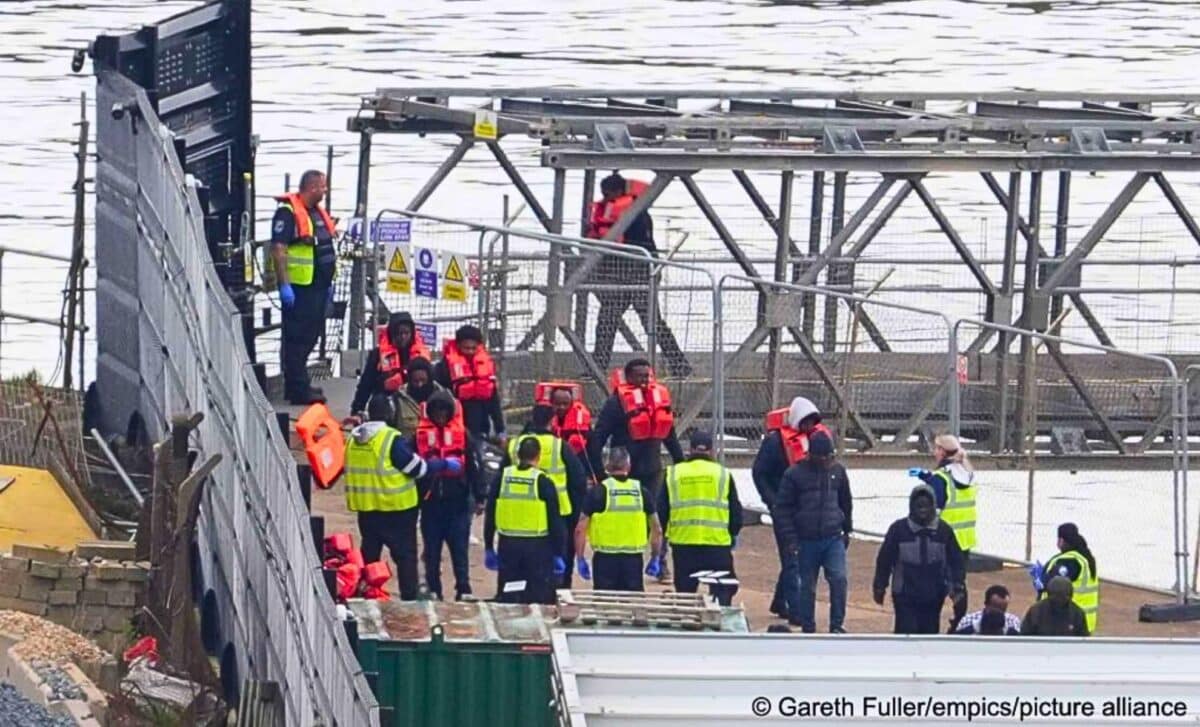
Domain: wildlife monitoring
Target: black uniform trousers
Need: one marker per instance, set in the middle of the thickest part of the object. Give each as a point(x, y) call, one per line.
point(917, 618)
point(447, 521)
point(687, 559)
point(617, 572)
point(525, 559)
point(398, 531)
point(303, 324)
point(571, 521)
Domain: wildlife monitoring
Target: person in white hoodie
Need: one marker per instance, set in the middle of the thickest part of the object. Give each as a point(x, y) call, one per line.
point(381, 486)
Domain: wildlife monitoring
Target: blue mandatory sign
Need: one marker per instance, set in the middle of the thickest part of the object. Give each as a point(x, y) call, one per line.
point(428, 333)
point(426, 273)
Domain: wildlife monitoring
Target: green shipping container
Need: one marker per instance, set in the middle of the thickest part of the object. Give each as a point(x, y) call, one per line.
point(457, 664)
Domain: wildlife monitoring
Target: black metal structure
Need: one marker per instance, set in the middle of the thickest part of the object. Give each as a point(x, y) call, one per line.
point(195, 68)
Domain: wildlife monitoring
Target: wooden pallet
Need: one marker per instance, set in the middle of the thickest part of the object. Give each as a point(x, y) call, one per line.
point(688, 611)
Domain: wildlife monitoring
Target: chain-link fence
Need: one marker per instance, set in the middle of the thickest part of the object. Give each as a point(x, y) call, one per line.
point(266, 606)
point(40, 428)
point(1029, 395)
point(880, 372)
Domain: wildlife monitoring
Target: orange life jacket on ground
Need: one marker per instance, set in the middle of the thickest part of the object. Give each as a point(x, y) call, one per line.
point(604, 214)
point(323, 443)
point(374, 580)
point(449, 442)
point(342, 556)
point(471, 379)
point(574, 428)
point(389, 356)
point(304, 224)
point(795, 443)
point(647, 409)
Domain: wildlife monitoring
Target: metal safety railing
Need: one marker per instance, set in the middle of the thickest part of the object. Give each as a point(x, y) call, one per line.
point(256, 553)
point(70, 328)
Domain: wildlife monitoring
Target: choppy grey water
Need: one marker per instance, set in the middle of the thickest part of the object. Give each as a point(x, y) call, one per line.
point(313, 61)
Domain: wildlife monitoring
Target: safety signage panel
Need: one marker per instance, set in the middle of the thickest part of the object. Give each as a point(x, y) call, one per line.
point(393, 230)
point(454, 278)
point(428, 334)
point(487, 125)
point(399, 275)
point(426, 272)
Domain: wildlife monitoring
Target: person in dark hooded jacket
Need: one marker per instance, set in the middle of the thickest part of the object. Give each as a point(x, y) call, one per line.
point(400, 344)
point(1057, 614)
point(921, 558)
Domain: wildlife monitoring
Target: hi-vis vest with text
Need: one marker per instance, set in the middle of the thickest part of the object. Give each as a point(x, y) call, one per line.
point(959, 512)
point(550, 462)
point(302, 251)
point(1087, 586)
point(520, 513)
point(621, 527)
point(373, 484)
point(699, 499)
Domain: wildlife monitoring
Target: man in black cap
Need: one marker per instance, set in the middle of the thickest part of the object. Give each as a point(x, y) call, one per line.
point(699, 508)
point(813, 509)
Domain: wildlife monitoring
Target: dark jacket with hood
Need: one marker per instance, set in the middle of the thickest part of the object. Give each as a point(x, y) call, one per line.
point(370, 381)
point(1056, 615)
point(771, 462)
point(813, 502)
point(923, 562)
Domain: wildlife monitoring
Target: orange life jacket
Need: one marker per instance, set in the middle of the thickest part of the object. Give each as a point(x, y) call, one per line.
point(544, 391)
point(323, 443)
point(448, 442)
point(795, 443)
point(647, 409)
point(604, 214)
point(304, 224)
point(574, 427)
point(471, 379)
point(375, 577)
point(390, 362)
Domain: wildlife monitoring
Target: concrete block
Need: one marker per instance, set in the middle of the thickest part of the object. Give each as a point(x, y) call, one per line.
point(63, 598)
point(10, 587)
point(107, 549)
point(122, 597)
point(9, 603)
point(36, 589)
point(95, 597)
point(117, 619)
point(36, 608)
point(46, 555)
point(109, 571)
point(13, 563)
point(72, 571)
point(61, 615)
point(89, 623)
point(137, 573)
point(44, 570)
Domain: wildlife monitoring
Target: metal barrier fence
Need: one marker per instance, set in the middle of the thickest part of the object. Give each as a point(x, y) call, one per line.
point(881, 380)
point(40, 427)
point(533, 299)
point(275, 619)
point(1046, 395)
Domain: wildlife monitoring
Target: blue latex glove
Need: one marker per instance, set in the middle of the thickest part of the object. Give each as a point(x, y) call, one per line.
point(916, 472)
point(560, 565)
point(582, 567)
point(654, 567)
point(435, 465)
point(491, 561)
point(1037, 574)
point(287, 296)
point(454, 466)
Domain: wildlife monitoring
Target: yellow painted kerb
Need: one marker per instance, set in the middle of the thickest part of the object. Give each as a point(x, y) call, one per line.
point(35, 511)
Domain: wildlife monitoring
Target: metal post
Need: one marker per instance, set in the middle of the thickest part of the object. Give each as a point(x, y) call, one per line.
point(1031, 319)
point(1007, 285)
point(329, 176)
point(75, 274)
point(503, 315)
point(554, 299)
point(582, 300)
point(954, 403)
point(782, 250)
point(836, 222)
point(814, 245)
point(358, 288)
point(1, 310)
point(1060, 232)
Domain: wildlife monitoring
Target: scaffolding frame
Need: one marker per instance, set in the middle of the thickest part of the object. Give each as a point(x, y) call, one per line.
point(902, 136)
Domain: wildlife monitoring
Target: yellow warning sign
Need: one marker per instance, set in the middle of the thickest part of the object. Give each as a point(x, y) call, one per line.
point(454, 278)
point(399, 279)
point(486, 125)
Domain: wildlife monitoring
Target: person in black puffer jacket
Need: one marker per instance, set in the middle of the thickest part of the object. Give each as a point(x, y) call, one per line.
point(921, 557)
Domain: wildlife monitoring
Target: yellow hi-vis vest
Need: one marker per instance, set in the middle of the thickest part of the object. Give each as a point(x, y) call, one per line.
point(699, 498)
point(621, 528)
point(302, 251)
point(550, 462)
point(959, 512)
point(1087, 586)
point(372, 483)
point(520, 513)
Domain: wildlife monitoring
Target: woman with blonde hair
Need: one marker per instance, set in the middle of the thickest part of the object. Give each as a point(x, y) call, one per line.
point(953, 484)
